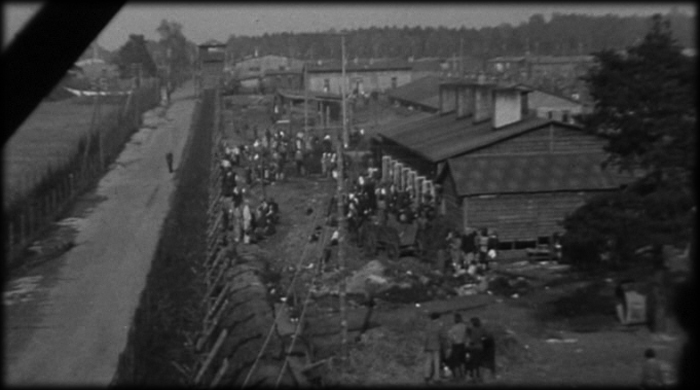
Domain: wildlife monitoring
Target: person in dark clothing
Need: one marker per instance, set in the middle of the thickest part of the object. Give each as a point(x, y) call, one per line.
point(652, 371)
point(469, 246)
point(248, 175)
point(229, 183)
point(169, 160)
point(433, 347)
point(457, 335)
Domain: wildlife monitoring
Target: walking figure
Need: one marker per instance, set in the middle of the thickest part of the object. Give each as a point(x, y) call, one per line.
point(169, 159)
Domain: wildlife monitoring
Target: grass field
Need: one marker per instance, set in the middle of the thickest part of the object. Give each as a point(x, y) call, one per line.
point(49, 136)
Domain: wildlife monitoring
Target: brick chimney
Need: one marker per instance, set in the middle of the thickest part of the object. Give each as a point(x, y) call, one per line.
point(465, 100)
point(483, 102)
point(509, 106)
point(448, 101)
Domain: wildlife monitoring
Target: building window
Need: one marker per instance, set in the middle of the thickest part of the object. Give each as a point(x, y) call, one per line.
point(326, 85)
point(254, 69)
point(393, 82)
point(550, 115)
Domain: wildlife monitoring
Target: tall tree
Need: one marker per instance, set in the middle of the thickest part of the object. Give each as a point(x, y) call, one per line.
point(645, 109)
point(177, 56)
point(134, 51)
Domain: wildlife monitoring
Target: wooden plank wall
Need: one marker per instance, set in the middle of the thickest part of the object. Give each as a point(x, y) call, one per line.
point(522, 217)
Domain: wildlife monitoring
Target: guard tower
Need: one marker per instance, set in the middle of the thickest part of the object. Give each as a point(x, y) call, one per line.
point(210, 65)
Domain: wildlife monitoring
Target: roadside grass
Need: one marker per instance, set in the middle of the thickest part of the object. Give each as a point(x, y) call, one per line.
point(49, 136)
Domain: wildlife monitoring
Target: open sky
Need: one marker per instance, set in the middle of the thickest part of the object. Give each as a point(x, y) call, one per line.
point(219, 20)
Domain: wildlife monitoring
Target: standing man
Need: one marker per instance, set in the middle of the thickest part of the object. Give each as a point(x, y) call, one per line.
point(457, 335)
point(432, 348)
point(299, 160)
point(169, 160)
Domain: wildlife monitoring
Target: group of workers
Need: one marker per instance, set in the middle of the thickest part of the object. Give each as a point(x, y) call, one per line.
point(473, 251)
point(370, 198)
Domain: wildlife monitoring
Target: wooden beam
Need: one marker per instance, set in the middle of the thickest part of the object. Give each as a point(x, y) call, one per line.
point(211, 355)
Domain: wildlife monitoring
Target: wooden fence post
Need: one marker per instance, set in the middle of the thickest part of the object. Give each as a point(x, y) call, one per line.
point(22, 227)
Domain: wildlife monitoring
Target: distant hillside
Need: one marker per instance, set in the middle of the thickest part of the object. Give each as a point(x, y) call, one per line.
point(563, 34)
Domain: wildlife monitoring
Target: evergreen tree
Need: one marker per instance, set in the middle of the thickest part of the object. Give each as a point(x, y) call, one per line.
point(178, 58)
point(645, 109)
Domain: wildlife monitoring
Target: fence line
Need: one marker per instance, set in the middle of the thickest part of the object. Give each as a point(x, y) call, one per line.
point(46, 196)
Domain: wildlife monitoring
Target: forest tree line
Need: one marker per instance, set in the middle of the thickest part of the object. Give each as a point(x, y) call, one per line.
point(562, 34)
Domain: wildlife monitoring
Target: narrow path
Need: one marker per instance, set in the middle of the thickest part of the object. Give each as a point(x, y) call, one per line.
point(74, 317)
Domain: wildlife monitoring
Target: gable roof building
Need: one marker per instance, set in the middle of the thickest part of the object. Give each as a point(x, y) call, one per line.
point(497, 165)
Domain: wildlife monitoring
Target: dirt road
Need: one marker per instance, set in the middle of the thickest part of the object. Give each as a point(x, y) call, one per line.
point(67, 319)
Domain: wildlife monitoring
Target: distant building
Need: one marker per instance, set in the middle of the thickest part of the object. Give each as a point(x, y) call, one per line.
point(553, 106)
point(534, 66)
point(273, 80)
point(259, 66)
point(492, 164)
point(362, 76)
point(458, 66)
point(95, 65)
point(549, 73)
point(424, 67)
point(422, 94)
point(324, 109)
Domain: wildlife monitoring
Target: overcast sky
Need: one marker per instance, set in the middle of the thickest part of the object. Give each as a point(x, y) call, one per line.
point(220, 20)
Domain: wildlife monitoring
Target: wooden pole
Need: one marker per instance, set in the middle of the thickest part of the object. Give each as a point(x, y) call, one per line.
point(341, 224)
point(343, 90)
point(306, 107)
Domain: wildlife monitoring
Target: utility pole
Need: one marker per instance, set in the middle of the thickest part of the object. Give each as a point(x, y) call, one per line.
point(344, 92)
point(306, 107)
point(341, 223)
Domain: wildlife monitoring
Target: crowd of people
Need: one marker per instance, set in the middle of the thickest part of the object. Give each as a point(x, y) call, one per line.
point(473, 251)
point(384, 203)
point(245, 222)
